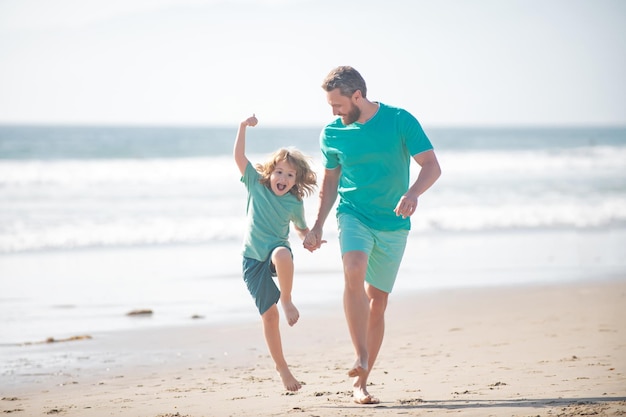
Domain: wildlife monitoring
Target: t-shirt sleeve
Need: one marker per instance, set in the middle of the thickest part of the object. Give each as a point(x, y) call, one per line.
point(298, 216)
point(250, 176)
point(330, 160)
point(414, 136)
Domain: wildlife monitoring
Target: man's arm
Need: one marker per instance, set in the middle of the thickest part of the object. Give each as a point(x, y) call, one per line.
point(328, 196)
point(429, 173)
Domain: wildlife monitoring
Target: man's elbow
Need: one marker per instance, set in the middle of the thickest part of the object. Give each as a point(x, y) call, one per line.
point(437, 170)
point(433, 168)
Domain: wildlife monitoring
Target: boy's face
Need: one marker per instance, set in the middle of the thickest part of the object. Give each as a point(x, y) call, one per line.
point(283, 178)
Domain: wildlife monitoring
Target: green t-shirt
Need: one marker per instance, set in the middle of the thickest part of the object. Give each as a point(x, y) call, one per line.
point(268, 217)
point(375, 160)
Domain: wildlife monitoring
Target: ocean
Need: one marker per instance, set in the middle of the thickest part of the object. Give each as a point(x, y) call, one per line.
point(98, 221)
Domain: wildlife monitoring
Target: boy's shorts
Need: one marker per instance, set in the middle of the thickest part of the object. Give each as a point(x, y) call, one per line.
point(383, 248)
point(258, 276)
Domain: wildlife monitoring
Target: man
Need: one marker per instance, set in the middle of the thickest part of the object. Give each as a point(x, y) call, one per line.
point(366, 154)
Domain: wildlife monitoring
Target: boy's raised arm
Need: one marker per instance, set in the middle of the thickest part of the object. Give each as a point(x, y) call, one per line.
point(239, 150)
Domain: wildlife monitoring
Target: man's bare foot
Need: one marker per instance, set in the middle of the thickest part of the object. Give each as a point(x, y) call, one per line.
point(358, 369)
point(289, 381)
point(362, 398)
point(360, 395)
point(291, 312)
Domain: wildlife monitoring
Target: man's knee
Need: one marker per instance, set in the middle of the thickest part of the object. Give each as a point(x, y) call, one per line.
point(378, 307)
point(378, 301)
point(355, 267)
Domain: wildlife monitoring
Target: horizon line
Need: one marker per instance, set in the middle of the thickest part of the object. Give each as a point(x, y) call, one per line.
point(310, 126)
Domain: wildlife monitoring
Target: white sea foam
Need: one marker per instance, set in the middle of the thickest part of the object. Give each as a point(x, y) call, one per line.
point(65, 204)
point(69, 204)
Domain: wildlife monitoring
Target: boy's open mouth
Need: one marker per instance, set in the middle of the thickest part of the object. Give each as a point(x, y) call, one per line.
point(281, 187)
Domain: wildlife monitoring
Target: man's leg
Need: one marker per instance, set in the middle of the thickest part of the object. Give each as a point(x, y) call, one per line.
point(356, 307)
point(381, 268)
point(375, 334)
point(376, 329)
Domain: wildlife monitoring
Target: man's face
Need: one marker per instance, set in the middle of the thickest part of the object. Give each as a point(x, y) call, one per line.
point(343, 106)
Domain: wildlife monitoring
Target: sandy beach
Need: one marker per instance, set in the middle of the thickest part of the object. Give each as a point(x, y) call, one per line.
point(556, 350)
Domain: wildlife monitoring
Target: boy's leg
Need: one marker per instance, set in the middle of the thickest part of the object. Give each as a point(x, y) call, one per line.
point(283, 262)
point(272, 337)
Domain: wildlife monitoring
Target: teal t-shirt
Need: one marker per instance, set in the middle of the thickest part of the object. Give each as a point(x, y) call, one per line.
point(375, 159)
point(268, 217)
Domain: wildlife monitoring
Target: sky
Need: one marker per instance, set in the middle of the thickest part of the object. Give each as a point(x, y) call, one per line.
point(215, 62)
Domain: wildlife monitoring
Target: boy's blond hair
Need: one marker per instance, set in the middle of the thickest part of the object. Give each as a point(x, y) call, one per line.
point(306, 179)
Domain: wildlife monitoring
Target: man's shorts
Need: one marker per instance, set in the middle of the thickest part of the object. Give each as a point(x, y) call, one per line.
point(383, 248)
point(258, 276)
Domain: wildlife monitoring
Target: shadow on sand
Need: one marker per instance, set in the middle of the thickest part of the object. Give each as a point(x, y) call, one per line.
point(461, 404)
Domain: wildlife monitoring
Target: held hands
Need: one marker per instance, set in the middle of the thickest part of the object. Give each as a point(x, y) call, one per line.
point(406, 206)
point(313, 240)
point(250, 121)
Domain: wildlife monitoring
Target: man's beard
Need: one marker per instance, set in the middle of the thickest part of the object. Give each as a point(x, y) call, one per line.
point(352, 116)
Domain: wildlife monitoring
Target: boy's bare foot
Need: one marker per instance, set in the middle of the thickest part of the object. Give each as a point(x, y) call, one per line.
point(289, 381)
point(291, 312)
point(358, 369)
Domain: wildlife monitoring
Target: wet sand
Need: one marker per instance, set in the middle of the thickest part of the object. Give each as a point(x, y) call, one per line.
point(557, 350)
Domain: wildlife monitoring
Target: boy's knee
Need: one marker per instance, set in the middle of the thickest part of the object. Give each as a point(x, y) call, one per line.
point(281, 254)
point(270, 315)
